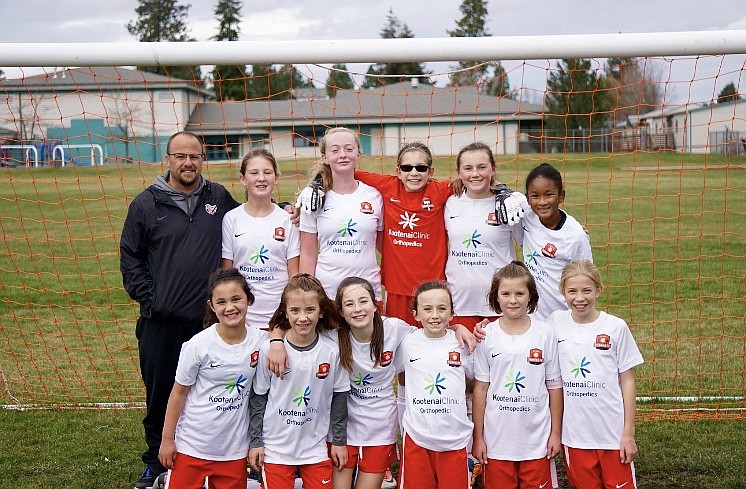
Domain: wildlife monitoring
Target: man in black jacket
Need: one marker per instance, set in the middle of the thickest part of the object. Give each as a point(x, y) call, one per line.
point(171, 242)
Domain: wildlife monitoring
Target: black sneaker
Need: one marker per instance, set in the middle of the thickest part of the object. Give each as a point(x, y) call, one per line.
point(147, 480)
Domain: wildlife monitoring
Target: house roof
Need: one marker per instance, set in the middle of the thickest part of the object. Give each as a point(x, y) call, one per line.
point(393, 103)
point(99, 78)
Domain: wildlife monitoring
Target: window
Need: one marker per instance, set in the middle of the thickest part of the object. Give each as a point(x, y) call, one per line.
point(307, 137)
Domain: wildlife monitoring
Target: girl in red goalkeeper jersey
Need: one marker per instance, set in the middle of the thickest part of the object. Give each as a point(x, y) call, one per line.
point(414, 245)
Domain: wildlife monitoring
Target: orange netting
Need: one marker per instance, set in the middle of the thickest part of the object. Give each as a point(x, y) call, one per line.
point(654, 168)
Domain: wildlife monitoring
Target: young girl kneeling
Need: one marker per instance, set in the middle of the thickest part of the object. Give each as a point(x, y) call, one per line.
point(205, 433)
point(291, 416)
point(436, 428)
point(518, 389)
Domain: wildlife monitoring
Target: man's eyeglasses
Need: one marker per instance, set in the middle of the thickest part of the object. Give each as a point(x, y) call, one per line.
point(181, 157)
point(419, 168)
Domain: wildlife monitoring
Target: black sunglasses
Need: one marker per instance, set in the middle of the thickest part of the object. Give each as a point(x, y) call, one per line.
point(419, 168)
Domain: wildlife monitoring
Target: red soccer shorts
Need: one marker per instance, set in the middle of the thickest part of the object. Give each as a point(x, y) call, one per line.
point(372, 459)
point(598, 469)
point(514, 474)
point(427, 469)
point(190, 472)
point(314, 476)
point(400, 306)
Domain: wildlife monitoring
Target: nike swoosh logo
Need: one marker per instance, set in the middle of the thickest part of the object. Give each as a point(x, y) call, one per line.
point(452, 217)
point(541, 486)
point(161, 218)
point(324, 481)
point(215, 365)
point(395, 200)
point(413, 359)
point(560, 341)
point(239, 234)
point(496, 354)
point(621, 485)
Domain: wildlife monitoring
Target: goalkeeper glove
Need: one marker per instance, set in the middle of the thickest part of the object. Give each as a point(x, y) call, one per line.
point(508, 209)
point(312, 197)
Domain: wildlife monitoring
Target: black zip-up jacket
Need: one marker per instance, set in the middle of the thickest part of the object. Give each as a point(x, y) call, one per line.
point(166, 256)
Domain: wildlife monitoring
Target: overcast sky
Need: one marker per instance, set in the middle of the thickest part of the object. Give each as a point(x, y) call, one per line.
point(96, 21)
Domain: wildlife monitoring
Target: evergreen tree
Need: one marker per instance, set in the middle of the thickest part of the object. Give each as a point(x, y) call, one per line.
point(266, 81)
point(229, 80)
point(575, 97)
point(728, 94)
point(163, 20)
point(339, 79)
point(490, 76)
point(394, 29)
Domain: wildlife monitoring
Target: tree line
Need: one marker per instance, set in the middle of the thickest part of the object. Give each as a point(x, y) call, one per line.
point(579, 94)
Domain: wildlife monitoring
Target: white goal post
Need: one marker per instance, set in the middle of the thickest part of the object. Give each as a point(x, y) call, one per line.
point(381, 50)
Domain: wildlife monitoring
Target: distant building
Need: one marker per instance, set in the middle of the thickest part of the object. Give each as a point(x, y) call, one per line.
point(122, 114)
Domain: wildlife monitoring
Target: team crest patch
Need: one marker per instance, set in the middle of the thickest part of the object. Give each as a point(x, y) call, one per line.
point(491, 219)
point(279, 234)
point(366, 208)
point(454, 359)
point(386, 358)
point(427, 203)
point(549, 250)
point(254, 359)
point(603, 342)
point(211, 209)
point(323, 371)
point(535, 356)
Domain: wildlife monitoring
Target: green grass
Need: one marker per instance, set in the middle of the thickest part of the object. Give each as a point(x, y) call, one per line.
point(667, 232)
point(100, 449)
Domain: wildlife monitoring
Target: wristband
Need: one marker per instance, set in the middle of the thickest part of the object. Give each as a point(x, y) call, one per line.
point(276, 339)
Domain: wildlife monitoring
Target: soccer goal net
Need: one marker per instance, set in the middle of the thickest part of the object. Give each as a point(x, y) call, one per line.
point(648, 131)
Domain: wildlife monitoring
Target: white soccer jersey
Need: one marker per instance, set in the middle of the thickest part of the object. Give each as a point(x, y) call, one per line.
point(215, 421)
point(517, 421)
point(371, 407)
point(297, 417)
point(477, 247)
point(260, 248)
point(591, 357)
point(346, 229)
point(546, 252)
point(436, 370)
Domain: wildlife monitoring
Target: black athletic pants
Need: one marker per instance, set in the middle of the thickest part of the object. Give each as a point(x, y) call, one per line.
point(159, 342)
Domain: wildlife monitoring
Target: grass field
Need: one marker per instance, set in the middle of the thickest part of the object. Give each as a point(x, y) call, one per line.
point(668, 232)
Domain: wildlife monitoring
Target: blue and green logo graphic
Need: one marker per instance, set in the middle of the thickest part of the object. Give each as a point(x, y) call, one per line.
point(302, 396)
point(472, 240)
point(531, 256)
point(362, 380)
point(237, 384)
point(580, 367)
point(435, 384)
point(348, 229)
point(258, 254)
point(514, 381)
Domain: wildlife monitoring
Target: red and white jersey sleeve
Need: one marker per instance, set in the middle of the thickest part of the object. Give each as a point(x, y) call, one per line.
point(477, 247)
point(371, 407)
point(546, 252)
point(297, 417)
point(347, 227)
point(260, 249)
point(214, 422)
point(591, 357)
point(517, 421)
point(436, 370)
point(414, 243)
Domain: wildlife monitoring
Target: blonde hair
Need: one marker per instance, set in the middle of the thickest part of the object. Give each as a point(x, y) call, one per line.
point(581, 267)
point(325, 170)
